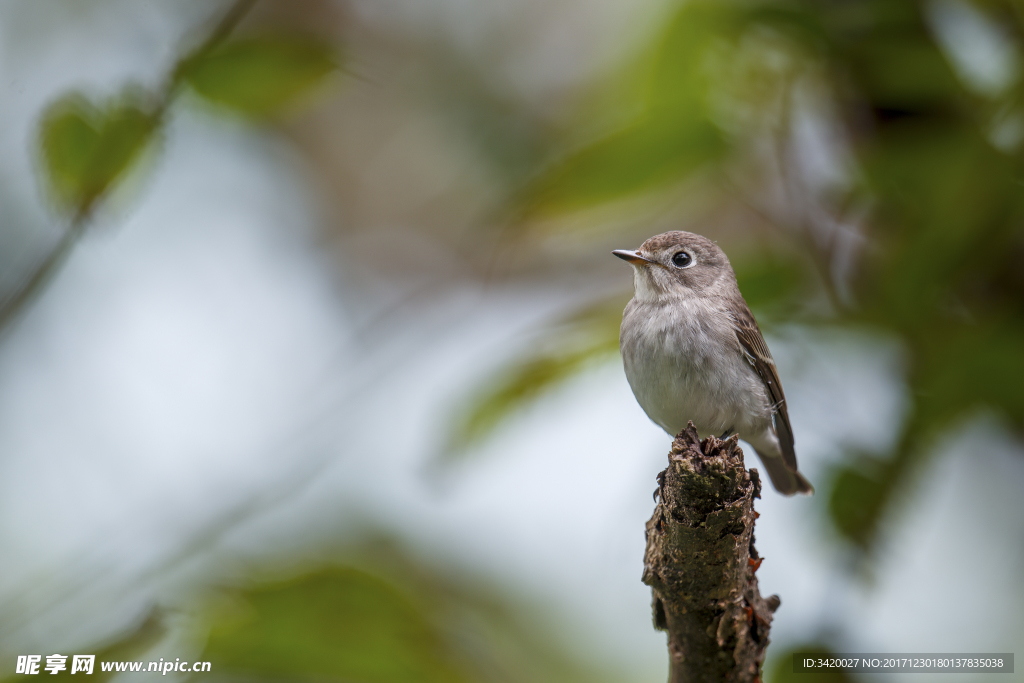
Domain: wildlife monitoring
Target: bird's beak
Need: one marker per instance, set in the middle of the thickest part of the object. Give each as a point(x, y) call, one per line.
point(632, 257)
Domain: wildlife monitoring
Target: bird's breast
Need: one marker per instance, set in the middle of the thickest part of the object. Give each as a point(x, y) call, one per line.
point(683, 362)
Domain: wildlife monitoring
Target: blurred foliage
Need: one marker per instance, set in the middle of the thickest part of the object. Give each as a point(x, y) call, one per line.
point(388, 618)
point(87, 148)
point(774, 283)
point(572, 345)
point(946, 214)
point(783, 672)
point(857, 497)
point(943, 233)
point(668, 134)
point(129, 646)
point(340, 624)
point(259, 76)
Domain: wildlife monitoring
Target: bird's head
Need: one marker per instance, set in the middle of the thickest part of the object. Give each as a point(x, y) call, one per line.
point(678, 264)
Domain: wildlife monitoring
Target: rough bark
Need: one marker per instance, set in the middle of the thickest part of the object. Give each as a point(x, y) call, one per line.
point(701, 562)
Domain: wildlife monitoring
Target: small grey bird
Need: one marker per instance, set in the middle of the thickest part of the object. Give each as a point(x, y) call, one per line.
point(693, 352)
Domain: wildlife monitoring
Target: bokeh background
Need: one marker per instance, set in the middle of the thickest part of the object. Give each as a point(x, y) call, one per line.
point(308, 359)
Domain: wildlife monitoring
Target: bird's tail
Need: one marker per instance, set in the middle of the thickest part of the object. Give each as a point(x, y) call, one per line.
point(785, 480)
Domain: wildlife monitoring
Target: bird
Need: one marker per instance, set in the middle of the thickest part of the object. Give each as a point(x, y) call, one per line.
point(692, 352)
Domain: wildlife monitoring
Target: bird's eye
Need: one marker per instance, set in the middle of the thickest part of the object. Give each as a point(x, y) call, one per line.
point(681, 259)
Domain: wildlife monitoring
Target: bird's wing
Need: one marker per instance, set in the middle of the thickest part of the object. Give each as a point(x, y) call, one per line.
point(760, 358)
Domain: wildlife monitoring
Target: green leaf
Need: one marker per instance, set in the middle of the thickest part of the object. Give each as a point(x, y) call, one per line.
point(671, 134)
point(259, 76)
point(676, 90)
point(650, 152)
point(339, 624)
point(523, 384)
point(86, 149)
point(858, 500)
point(575, 344)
